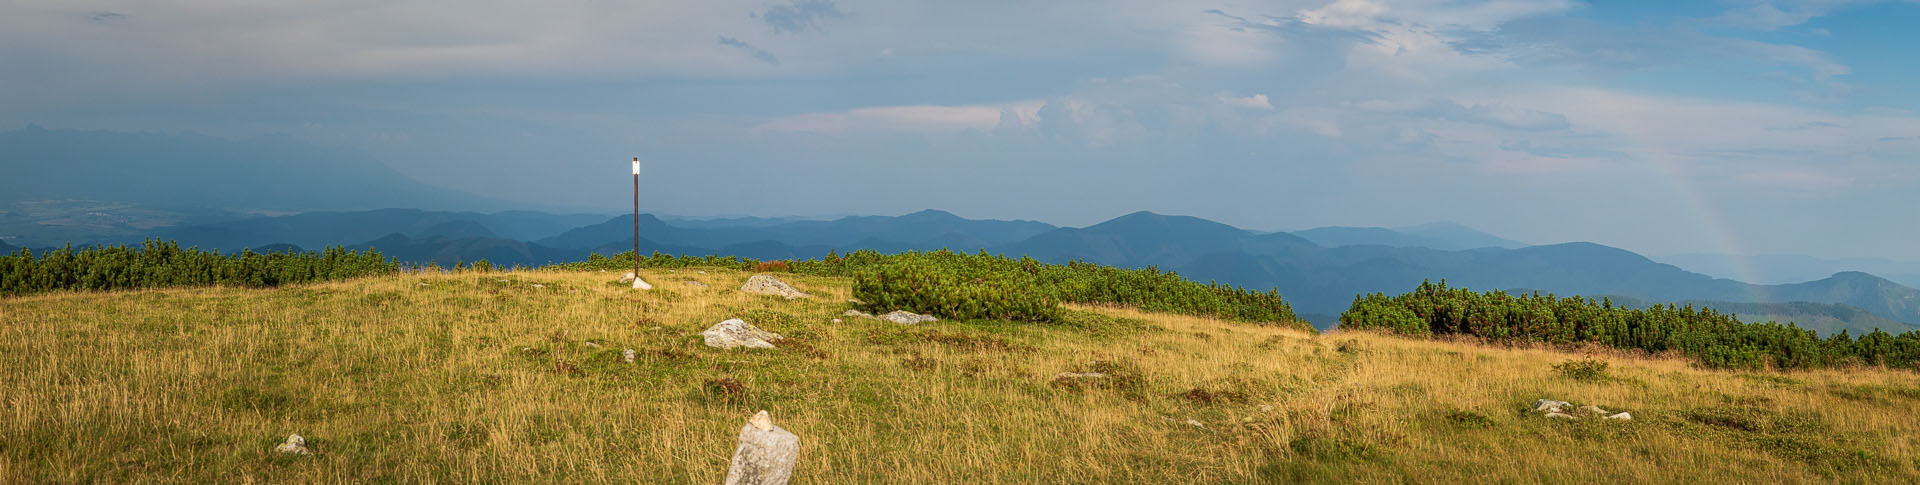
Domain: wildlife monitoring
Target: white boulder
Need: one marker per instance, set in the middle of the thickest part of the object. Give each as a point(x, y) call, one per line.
point(904, 317)
point(767, 285)
point(738, 333)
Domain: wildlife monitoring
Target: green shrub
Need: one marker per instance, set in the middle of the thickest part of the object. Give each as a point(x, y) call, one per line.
point(1714, 339)
point(1588, 370)
point(156, 264)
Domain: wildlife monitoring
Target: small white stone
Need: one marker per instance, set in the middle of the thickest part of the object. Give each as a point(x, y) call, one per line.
point(628, 355)
point(761, 421)
point(1560, 415)
point(1195, 423)
point(836, 320)
point(590, 343)
point(295, 445)
point(1623, 416)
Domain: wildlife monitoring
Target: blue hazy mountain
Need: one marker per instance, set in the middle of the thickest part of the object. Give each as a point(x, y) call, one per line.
point(188, 170)
point(1439, 235)
point(445, 250)
point(1788, 268)
point(929, 229)
point(1321, 280)
point(1825, 318)
point(1145, 238)
point(319, 229)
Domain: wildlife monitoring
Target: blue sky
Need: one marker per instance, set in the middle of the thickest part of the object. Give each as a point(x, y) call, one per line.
point(1662, 127)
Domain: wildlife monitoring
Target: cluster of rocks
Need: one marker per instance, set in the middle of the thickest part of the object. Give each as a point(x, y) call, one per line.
point(1559, 410)
point(638, 284)
point(902, 317)
point(767, 285)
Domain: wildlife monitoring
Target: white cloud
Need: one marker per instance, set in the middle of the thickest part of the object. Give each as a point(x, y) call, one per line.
point(1256, 101)
point(921, 119)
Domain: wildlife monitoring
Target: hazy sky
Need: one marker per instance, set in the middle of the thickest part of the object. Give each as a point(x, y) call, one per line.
point(1662, 127)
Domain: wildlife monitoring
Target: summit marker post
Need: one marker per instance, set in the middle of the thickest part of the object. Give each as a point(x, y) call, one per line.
point(636, 218)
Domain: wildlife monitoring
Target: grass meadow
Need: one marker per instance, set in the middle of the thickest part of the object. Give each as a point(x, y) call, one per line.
point(516, 377)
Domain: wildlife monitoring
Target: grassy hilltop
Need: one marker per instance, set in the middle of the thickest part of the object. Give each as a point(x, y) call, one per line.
point(490, 377)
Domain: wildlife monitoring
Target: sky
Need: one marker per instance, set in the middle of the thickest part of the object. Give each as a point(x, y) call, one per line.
point(1735, 126)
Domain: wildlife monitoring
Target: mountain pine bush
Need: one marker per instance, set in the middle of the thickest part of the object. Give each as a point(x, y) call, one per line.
point(1714, 339)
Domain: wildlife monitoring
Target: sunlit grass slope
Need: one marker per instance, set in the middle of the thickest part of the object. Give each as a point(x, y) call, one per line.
point(489, 377)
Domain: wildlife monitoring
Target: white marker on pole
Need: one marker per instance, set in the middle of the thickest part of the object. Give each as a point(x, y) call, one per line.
point(636, 166)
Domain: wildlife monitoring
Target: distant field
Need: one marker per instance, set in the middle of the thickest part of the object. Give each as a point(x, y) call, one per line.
point(488, 377)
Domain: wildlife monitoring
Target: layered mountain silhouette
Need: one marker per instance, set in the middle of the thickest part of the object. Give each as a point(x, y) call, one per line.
point(1789, 268)
point(319, 229)
point(1320, 279)
point(1439, 235)
point(188, 170)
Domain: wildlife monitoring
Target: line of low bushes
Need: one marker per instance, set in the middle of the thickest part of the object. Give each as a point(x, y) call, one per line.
point(1715, 339)
point(156, 264)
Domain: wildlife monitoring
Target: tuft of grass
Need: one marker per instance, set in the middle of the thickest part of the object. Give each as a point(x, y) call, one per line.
point(1464, 419)
point(1584, 370)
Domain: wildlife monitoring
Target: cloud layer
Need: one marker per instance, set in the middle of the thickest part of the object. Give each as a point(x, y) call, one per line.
point(1549, 120)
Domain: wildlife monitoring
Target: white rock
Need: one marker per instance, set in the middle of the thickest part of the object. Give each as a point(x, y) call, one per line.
point(1549, 405)
point(857, 313)
point(1560, 415)
point(1195, 423)
point(766, 454)
point(1623, 416)
point(1592, 409)
point(836, 320)
point(628, 355)
point(640, 284)
point(537, 285)
point(294, 445)
point(591, 344)
point(628, 277)
point(904, 317)
point(738, 333)
point(768, 285)
point(1266, 408)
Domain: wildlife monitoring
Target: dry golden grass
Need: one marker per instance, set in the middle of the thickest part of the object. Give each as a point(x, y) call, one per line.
point(488, 378)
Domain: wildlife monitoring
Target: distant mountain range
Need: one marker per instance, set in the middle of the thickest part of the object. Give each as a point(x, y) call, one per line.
point(113, 186)
point(318, 229)
point(268, 172)
point(1789, 268)
point(1320, 277)
point(1826, 318)
point(1439, 235)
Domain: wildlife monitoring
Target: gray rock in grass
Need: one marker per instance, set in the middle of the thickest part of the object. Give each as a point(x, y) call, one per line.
point(738, 333)
point(766, 454)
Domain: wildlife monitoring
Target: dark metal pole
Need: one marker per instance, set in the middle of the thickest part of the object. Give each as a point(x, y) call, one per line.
point(636, 218)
